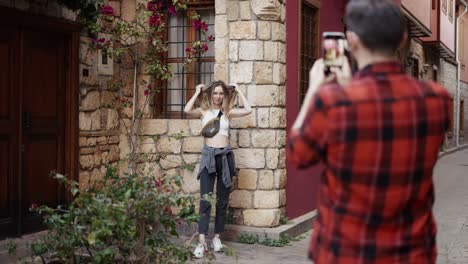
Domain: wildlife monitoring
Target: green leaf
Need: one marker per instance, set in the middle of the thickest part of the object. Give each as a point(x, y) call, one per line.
point(92, 238)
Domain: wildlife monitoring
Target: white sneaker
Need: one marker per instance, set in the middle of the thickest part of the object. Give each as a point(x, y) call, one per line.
point(199, 251)
point(216, 244)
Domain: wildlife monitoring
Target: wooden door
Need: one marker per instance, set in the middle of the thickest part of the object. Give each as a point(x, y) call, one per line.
point(9, 129)
point(43, 120)
point(38, 116)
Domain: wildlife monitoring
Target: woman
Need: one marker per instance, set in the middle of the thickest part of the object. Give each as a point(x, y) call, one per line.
point(217, 160)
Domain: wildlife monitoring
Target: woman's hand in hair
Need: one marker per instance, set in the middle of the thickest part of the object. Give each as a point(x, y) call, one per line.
point(198, 88)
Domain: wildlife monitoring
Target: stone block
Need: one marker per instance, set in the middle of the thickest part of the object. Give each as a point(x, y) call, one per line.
point(169, 145)
point(91, 141)
point(282, 96)
point(221, 26)
point(220, 7)
point(191, 158)
point(146, 145)
point(112, 119)
point(280, 179)
point(233, 51)
point(263, 72)
point(280, 138)
point(243, 30)
point(264, 30)
point(241, 72)
point(277, 117)
point(107, 97)
point(232, 10)
point(282, 158)
point(82, 142)
point(101, 140)
point(263, 138)
point(271, 51)
point(178, 126)
point(91, 101)
point(84, 121)
point(86, 161)
point(116, 6)
point(220, 71)
point(69, 15)
point(233, 139)
point(263, 117)
point(170, 162)
point(247, 179)
point(250, 158)
point(128, 10)
point(262, 218)
point(278, 31)
point(195, 127)
point(263, 95)
point(193, 144)
point(84, 180)
point(240, 199)
point(282, 52)
point(153, 127)
point(266, 180)
point(272, 158)
point(244, 138)
point(96, 120)
point(245, 12)
point(250, 50)
point(279, 73)
point(282, 197)
point(221, 50)
point(248, 121)
point(266, 199)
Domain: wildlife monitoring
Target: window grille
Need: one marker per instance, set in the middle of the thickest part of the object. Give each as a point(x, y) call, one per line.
point(309, 45)
point(176, 91)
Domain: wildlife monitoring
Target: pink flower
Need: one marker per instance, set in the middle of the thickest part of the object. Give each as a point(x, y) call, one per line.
point(107, 10)
point(196, 24)
point(151, 7)
point(211, 38)
point(155, 20)
point(147, 92)
point(205, 47)
point(34, 206)
point(171, 10)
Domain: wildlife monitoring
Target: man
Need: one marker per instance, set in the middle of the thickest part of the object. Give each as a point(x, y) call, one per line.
point(378, 135)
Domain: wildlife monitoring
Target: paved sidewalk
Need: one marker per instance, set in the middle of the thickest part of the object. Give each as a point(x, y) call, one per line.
point(451, 208)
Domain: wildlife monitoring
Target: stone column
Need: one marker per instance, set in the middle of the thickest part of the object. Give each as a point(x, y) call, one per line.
point(250, 51)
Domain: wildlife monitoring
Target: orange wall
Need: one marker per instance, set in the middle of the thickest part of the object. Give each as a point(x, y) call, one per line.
point(464, 42)
point(421, 9)
point(447, 27)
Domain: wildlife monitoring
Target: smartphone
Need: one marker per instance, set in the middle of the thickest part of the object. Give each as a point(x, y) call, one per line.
point(334, 49)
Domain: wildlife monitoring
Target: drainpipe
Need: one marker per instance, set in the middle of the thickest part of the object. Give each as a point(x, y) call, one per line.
point(457, 121)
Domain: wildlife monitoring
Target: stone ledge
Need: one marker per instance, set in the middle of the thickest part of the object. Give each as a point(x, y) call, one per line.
point(297, 226)
point(99, 133)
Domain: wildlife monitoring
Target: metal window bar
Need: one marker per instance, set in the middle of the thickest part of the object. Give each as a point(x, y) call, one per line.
point(309, 47)
point(180, 87)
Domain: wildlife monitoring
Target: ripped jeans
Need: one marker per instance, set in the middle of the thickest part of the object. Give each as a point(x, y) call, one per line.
point(222, 198)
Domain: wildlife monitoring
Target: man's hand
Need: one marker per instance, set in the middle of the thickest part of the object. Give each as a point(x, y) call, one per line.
point(343, 75)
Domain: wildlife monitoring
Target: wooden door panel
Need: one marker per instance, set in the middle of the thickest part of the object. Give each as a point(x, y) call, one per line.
point(41, 158)
point(8, 123)
point(5, 210)
point(43, 113)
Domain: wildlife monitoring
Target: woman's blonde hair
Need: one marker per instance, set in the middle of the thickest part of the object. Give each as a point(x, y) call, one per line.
point(229, 100)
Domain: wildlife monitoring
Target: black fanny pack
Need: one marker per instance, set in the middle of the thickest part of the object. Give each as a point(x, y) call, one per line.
point(212, 127)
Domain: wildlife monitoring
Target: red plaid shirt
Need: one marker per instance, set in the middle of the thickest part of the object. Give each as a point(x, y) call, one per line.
point(379, 138)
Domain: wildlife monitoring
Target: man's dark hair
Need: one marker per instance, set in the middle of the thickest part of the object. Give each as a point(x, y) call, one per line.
point(379, 24)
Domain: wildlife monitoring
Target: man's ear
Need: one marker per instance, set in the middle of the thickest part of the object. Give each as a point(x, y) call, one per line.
point(353, 40)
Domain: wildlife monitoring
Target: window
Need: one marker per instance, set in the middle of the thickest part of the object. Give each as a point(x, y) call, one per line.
point(176, 91)
point(412, 67)
point(461, 42)
point(309, 45)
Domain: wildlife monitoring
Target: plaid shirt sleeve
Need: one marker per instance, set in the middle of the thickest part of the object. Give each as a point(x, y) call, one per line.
point(306, 144)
